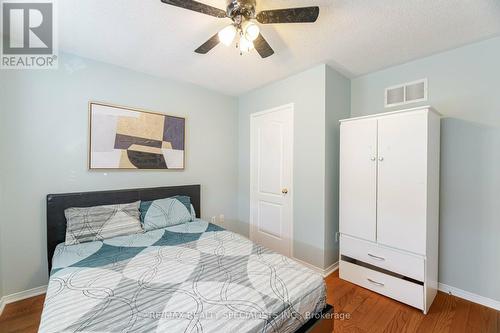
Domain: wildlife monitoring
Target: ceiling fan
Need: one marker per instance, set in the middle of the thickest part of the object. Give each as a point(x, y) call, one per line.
point(245, 18)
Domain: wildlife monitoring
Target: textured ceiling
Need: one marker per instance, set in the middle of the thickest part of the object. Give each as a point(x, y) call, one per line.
point(353, 36)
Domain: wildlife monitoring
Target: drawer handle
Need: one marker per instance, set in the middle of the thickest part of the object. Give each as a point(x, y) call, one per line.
point(376, 257)
point(376, 283)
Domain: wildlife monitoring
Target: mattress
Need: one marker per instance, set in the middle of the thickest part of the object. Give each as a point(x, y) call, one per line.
point(193, 277)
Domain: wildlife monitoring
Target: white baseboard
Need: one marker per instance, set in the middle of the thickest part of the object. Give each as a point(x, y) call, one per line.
point(7, 299)
point(2, 305)
point(491, 303)
point(488, 302)
point(332, 268)
point(325, 272)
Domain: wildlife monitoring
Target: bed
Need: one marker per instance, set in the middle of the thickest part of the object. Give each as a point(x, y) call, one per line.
point(192, 277)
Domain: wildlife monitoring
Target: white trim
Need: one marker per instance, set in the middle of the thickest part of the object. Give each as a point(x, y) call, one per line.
point(383, 114)
point(2, 305)
point(491, 303)
point(330, 269)
point(308, 265)
point(7, 299)
point(277, 108)
point(488, 302)
point(325, 272)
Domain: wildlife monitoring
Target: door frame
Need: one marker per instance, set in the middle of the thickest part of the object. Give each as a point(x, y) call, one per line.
point(253, 116)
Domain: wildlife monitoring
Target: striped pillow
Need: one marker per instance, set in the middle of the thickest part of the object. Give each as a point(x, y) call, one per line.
point(166, 212)
point(101, 222)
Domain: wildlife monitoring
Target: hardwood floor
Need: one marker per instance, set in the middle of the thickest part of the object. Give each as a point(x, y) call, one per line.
point(371, 312)
point(22, 316)
point(362, 311)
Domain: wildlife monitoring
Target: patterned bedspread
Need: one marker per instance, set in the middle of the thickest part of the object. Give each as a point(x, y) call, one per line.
point(194, 277)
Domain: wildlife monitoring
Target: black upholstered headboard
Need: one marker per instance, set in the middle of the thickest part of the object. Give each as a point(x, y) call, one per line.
point(57, 203)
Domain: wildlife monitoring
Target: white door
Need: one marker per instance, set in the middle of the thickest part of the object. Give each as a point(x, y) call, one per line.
point(271, 161)
point(402, 181)
point(358, 178)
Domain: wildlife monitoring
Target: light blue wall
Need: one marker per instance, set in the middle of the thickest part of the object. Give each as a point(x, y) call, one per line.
point(1, 260)
point(307, 91)
point(464, 85)
point(44, 142)
point(2, 252)
point(320, 97)
point(338, 106)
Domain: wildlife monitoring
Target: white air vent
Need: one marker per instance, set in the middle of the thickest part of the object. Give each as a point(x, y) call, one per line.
point(406, 93)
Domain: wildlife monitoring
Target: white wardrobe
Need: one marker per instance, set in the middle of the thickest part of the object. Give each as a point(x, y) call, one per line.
point(389, 204)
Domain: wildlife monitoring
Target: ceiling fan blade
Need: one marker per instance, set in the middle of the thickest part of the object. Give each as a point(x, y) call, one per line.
point(289, 15)
point(208, 45)
point(197, 7)
point(263, 47)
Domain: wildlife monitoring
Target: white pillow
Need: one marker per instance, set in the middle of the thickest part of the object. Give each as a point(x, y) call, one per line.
point(163, 213)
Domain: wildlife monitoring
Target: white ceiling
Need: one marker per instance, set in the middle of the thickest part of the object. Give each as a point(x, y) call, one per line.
point(353, 36)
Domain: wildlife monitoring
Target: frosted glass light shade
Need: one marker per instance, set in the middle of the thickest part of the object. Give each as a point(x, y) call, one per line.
point(226, 35)
point(251, 30)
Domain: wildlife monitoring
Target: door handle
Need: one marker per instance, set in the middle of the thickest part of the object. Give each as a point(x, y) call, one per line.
point(380, 284)
point(373, 158)
point(284, 191)
point(380, 158)
point(376, 257)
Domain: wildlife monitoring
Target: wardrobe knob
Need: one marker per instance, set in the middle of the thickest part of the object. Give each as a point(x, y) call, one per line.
point(373, 158)
point(380, 159)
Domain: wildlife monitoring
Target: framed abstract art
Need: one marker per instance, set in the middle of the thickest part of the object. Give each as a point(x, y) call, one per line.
point(126, 138)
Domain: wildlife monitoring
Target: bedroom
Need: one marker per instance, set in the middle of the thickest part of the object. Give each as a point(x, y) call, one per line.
point(320, 102)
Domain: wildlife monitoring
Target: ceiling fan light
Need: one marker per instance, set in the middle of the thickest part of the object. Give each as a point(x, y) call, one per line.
point(226, 35)
point(245, 45)
point(251, 31)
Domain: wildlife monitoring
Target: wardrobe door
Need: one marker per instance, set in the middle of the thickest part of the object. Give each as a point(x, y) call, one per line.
point(402, 181)
point(358, 178)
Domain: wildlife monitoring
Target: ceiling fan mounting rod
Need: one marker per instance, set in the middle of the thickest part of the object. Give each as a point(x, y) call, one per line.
point(244, 8)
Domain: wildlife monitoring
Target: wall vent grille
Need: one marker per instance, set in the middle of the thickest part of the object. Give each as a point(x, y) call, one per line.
point(406, 93)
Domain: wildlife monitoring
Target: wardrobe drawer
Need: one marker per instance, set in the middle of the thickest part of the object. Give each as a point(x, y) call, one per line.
point(401, 290)
point(406, 264)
